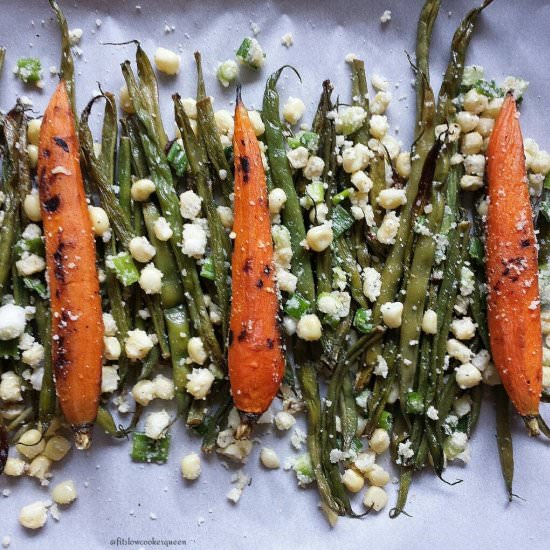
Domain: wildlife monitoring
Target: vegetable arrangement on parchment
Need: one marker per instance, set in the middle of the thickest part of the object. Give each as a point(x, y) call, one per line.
point(372, 288)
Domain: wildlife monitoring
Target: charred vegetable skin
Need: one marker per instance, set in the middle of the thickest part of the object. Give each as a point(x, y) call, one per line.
point(77, 327)
point(256, 362)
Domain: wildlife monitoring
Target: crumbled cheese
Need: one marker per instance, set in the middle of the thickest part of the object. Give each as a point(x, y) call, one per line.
point(199, 383)
point(284, 420)
point(309, 327)
point(12, 321)
point(381, 368)
point(372, 283)
point(287, 40)
point(156, 424)
point(385, 17)
point(138, 344)
point(190, 205)
point(391, 314)
point(293, 110)
point(194, 240)
point(388, 228)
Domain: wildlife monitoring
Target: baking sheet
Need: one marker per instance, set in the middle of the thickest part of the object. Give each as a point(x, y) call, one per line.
point(117, 497)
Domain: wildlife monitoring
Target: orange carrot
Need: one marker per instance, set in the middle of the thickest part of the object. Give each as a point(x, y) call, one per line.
point(256, 361)
point(512, 269)
point(77, 326)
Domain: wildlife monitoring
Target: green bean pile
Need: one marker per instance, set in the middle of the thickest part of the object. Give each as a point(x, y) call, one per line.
point(378, 253)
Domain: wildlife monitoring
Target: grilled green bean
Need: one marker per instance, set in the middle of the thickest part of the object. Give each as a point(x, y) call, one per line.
point(166, 195)
point(310, 391)
point(96, 173)
point(109, 134)
point(124, 178)
point(504, 437)
point(282, 177)
point(424, 140)
point(157, 317)
point(177, 325)
point(139, 164)
point(150, 94)
point(47, 398)
point(208, 133)
point(172, 290)
point(219, 240)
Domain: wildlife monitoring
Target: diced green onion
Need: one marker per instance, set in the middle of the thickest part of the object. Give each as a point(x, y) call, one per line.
point(547, 181)
point(385, 421)
point(472, 74)
point(489, 88)
point(296, 306)
point(32, 246)
point(415, 403)
point(250, 53)
point(37, 285)
point(363, 320)
point(342, 220)
point(124, 268)
point(145, 449)
point(343, 195)
point(29, 69)
point(315, 194)
point(476, 250)
point(177, 159)
point(207, 269)
point(309, 140)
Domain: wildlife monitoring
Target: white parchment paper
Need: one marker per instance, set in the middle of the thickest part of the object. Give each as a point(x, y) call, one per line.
point(118, 498)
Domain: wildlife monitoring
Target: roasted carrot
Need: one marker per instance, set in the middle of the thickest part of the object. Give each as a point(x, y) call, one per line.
point(512, 269)
point(77, 327)
point(256, 361)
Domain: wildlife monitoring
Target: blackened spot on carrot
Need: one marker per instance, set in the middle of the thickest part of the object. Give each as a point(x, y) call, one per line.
point(58, 266)
point(247, 268)
point(58, 293)
point(245, 167)
point(242, 335)
point(60, 360)
point(525, 243)
point(260, 283)
point(267, 270)
point(230, 337)
point(242, 142)
point(52, 204)
point(270, 343)
point(512, 268)
point(46, 153)
point(61, 143)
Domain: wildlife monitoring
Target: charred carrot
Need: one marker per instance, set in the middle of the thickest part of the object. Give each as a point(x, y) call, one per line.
point(512, 269)
point(256, 362)
point(77, 327)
